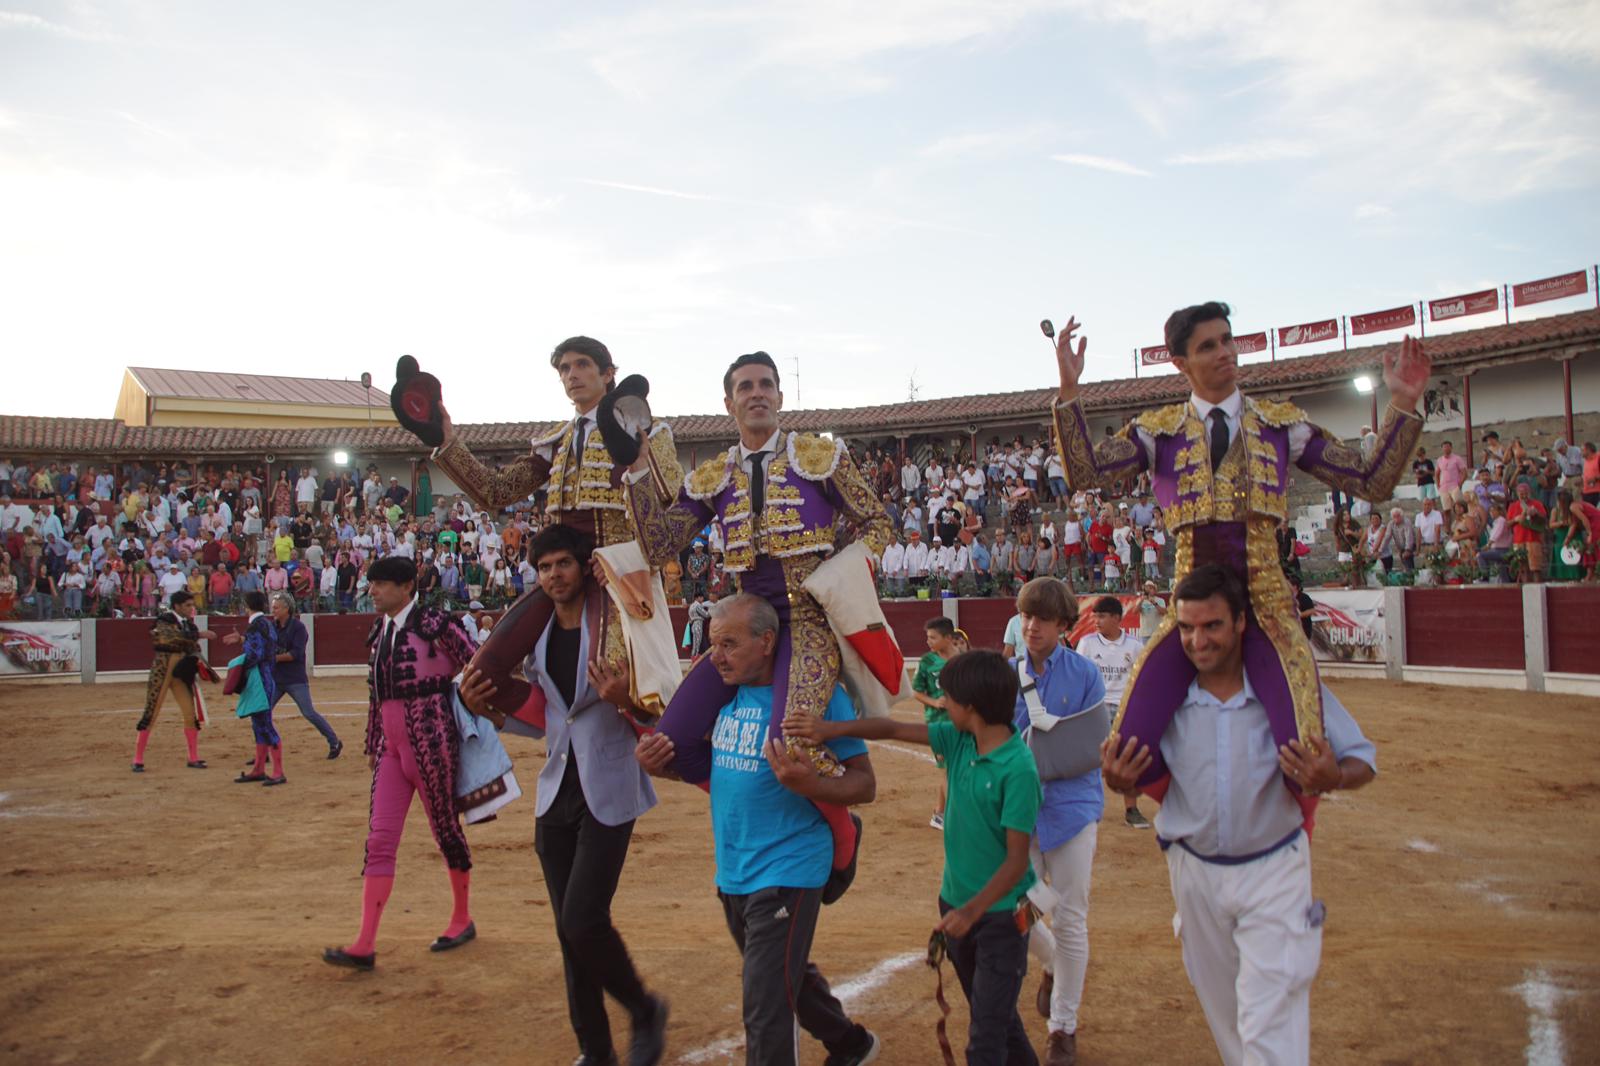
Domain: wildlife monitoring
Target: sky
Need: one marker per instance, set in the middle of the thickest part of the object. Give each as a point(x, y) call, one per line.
point(887, 197)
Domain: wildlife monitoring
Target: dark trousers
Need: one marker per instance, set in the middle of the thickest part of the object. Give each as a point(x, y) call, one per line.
point(582, 860)
point(773, 928)
point(301, 694)
point(990, 962)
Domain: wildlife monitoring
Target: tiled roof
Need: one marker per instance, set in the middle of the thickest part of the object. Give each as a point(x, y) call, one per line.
point(25, 435)
point(260, 388)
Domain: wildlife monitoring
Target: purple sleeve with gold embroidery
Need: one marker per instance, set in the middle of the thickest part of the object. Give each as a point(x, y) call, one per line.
point(1341, 466)
point(664, 530)
point(849, 492)
point(1090, 465)
point(489, 487)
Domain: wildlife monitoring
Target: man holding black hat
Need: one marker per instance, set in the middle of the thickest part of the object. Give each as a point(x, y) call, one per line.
point(582, 481)
point(412, 746)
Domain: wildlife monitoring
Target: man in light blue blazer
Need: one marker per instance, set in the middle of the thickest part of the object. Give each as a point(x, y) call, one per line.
point(590, 792)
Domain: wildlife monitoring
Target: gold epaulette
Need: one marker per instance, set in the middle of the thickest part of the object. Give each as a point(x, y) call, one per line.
point(709, 478)
point(812, 457)
point(1277, 413)
point(1163, 421)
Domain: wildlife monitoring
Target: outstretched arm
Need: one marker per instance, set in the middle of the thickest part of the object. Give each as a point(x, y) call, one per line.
point(820, 730)
point(1087, 464)
point(663, 531)
point(1405, 372)
point(488, 487)
point(864, 512)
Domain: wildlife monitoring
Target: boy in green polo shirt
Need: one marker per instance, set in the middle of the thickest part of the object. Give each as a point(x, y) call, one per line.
point(941, 636)
point(994, 798)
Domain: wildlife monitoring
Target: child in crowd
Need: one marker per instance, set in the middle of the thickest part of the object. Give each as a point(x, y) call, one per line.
point(994, 805)
point(940, 634)
point(1152, 556)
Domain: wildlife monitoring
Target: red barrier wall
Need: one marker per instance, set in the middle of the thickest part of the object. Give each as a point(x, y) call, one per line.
point(341, 639)
point(219, 654)
point(1465, 627)
point(1572, 630)
point(906, 617)
point(985, 620)
point(122, 644)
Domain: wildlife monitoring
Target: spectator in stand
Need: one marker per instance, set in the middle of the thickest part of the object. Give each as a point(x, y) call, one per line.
point(1422, 469)
point(42, 589)
point(972, 485)
point(172, 580)
point(919, 559)
point(1430, 526)
point(911, 517)
point(1026, 555)
point(107, 587)
point(1591, 474)
point(220, 590)
point(305, 491)
point(1528, 520)
point(1002, 562)
point(910, 480)
point(73, 583)
point(5, 479)
point(893, 566)
point(1451, 472)
point(1377, 544)
point(1571, 523)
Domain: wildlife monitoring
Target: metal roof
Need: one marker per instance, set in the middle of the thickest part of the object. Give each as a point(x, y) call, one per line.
point(255, 388)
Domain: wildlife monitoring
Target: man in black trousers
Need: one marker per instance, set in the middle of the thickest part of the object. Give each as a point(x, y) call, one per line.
point(590, 792)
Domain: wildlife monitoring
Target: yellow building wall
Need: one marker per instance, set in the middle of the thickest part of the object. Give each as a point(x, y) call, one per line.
point(131, 409)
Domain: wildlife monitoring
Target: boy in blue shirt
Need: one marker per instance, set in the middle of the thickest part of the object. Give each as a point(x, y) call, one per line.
point(774, 852)
point(993, 804)
point(1069, 819)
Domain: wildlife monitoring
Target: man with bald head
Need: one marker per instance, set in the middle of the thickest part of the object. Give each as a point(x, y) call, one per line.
point(773, 848)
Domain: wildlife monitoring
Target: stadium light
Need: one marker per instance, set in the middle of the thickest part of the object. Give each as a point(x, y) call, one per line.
point(1363, 384)
point(341, 458)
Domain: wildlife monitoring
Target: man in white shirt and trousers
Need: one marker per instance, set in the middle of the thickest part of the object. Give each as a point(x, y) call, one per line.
point(1113, 649)
point(1238, 853)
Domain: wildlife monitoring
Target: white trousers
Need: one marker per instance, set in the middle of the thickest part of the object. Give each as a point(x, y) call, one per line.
point(1251, 946)
point(1063, 947)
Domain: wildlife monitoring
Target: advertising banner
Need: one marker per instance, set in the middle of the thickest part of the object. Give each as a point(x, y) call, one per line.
point(1473, 303)
point(1251, 343)
point(1348, 625)
point(1308, 332)
point(36, 649)
point(1154, 356)
point(1535, 292)
point(1378, 321)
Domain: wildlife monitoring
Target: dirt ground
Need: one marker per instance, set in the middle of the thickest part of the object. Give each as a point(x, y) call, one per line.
point(177, 917)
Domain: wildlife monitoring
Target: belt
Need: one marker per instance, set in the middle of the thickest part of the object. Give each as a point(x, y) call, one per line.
point(1231, 860)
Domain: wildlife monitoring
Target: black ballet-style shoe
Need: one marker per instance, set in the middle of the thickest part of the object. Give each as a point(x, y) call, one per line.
point(138, 767)
point(335, 748)
point(196, 764)
point(269, 782)
point(623, 414)
point(417, 402)
point(445, 943)
point(840, 880)
point(341, 957)
point(245, 779)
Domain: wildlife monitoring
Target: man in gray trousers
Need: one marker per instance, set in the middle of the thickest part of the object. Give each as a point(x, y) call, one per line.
point(590, 792)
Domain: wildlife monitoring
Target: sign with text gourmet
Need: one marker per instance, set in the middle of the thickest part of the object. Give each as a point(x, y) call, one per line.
point(1308, 333)
point(1251, 343)
point(1473, 303)
point(1347, 626)
point(39, 649)
point(1378, 321)
point(1154, 356)
point(1563, 285)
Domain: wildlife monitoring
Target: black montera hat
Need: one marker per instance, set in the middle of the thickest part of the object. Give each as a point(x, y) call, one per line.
point(395, 568)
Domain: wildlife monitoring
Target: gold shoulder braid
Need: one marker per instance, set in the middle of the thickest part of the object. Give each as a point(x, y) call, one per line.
point(1163, 421)
point(813, 457)
point(1276, 413)
point(710, 477)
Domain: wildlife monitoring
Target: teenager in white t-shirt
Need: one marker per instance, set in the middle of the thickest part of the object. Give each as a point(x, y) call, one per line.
point(1114, 651)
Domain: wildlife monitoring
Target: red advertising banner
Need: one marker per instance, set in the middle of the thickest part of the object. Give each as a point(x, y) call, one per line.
point(1534, 292)
point(1154, 356)
point(1251, 343)
point(1473, 303)
point(1378, 321)
point(1308, 333)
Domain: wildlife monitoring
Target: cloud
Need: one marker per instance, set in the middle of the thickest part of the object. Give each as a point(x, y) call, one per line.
point(1100, 162)
point(985, 142)
point(1254, 152)
point(650, 190)
point(1373, 211)
point(25, 21)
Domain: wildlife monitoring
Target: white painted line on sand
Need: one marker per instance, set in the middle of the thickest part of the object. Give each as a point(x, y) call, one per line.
point(848, 993)
point(913, 752)
point(1427, 847)
point(1542, 996)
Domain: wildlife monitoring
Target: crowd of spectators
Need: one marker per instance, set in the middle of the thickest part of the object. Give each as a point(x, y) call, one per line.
point(969, 528)
point(118, 541)
point(1519, 516)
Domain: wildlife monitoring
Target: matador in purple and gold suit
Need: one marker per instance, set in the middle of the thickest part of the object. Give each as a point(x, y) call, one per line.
point(1230, 515)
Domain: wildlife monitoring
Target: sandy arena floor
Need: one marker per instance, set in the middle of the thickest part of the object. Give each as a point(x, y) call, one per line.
point(176, 917)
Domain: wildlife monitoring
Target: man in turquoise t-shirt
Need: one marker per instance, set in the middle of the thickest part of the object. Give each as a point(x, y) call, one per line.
point(774, 852)
point(989, 821)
